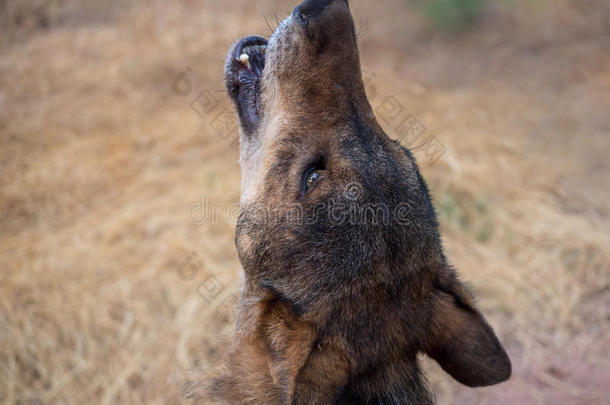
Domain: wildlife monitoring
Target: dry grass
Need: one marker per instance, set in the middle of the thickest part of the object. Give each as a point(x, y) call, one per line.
point(101, 162)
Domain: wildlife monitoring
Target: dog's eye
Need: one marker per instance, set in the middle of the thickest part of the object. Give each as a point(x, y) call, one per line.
point(314, 174)
point(311, 178)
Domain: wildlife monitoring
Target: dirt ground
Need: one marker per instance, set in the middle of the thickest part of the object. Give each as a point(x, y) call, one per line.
point(119, 183)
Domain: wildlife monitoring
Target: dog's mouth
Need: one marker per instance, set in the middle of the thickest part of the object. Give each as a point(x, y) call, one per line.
point(310, 61)
point(243, 71)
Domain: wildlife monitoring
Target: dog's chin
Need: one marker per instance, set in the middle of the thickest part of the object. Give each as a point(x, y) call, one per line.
point(243, 71)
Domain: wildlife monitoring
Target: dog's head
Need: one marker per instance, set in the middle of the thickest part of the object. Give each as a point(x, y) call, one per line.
point(311, 151)
point(330, 205)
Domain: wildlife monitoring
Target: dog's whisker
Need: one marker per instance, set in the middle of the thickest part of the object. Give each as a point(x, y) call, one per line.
point(362, 30)
point(278, 21)
point(271, 30)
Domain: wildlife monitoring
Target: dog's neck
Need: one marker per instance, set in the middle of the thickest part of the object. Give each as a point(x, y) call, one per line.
point(355, 348)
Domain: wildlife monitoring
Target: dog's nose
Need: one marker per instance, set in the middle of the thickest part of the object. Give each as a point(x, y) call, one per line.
point(311, 8)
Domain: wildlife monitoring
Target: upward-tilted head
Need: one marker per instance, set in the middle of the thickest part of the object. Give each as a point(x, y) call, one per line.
point(346, 280)
point(308, 140)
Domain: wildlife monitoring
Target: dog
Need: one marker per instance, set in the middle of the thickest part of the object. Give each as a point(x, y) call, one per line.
point(345, 279)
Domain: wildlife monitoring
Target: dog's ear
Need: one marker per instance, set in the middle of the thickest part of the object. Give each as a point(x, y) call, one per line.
point(462, 341)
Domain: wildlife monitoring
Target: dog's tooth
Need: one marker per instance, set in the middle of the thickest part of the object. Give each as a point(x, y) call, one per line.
point(244, 58)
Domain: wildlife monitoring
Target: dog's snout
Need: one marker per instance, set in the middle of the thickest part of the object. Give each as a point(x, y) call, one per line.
point(310, 9)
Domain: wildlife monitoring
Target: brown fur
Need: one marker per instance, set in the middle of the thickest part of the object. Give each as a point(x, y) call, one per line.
point(335, 311)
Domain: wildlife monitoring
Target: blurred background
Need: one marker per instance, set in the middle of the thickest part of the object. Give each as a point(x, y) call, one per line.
point(119, 183)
